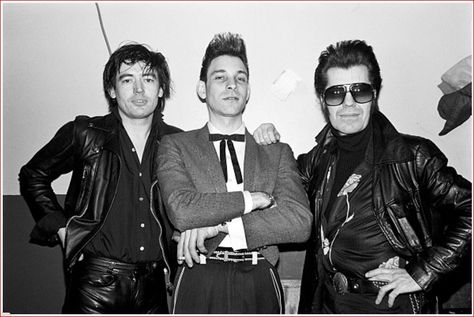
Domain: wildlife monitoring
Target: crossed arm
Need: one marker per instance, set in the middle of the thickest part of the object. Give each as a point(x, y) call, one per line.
point(198, 216)
point(187, 207)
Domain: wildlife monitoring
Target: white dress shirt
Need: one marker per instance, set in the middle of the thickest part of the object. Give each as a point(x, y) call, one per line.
point(236, 237)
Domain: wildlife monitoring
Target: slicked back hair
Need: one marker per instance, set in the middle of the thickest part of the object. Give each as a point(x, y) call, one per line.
point(224, 44)
point(131, 54)
point(346, 54)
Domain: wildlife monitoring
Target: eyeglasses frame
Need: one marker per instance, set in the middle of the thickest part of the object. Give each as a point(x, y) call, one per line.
point(346, 90)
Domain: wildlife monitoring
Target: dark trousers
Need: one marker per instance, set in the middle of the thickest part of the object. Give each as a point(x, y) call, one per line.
point(219, 287)
point(104, 286)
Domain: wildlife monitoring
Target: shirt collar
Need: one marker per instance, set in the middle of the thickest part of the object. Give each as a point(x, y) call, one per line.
point(214, 130)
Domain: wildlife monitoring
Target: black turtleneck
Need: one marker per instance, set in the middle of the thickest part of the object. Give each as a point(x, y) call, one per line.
point(360, 245)
point(351, 152)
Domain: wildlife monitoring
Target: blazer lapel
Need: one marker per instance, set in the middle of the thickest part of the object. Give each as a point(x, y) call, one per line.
point(210, 161)
point(250, 162)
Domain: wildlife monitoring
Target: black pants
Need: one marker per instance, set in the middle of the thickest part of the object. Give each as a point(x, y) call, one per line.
point(219, 287)
point(105, 286)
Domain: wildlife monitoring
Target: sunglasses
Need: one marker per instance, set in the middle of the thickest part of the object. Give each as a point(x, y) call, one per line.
point(361, 92)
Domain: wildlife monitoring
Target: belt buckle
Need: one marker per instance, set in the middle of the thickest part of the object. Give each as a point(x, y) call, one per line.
point(340, 283)
point(226, 256)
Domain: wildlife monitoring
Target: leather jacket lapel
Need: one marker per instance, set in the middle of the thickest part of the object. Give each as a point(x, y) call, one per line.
point(110, 129)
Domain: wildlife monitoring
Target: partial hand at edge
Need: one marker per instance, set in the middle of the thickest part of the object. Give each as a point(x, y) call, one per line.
point(266, 134)
point(176, 236)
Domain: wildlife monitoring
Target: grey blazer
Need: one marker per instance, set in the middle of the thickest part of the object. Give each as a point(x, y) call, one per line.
point(195, 195)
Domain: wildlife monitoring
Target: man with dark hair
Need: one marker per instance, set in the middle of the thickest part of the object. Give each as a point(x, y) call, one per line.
point(113, 229)
point(232, 200)
point(390, 216)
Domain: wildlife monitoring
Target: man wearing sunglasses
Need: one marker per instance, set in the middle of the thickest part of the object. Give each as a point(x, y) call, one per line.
point(377, 196)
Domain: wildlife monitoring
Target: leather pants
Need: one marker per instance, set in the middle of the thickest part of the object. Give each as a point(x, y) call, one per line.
point(105, 286)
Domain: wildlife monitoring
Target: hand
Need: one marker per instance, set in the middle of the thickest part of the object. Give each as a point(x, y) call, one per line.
point(190, 239)
point(176, 236)
point(266, 134)
point(62, 236)
point(399, 282)
point(261, 200)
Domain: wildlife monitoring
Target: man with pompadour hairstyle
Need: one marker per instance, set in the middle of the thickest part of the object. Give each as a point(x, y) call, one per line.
point(232, 200)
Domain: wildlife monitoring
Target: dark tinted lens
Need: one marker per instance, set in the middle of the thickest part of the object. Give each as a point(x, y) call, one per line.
point(334, 95)
point(362, 92)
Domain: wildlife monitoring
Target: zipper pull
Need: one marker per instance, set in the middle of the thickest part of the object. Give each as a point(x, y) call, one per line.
point(329, 173)
point(169, 285)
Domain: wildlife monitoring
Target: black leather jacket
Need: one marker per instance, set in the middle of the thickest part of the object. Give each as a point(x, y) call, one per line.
point(89, 148)
point(422, 206)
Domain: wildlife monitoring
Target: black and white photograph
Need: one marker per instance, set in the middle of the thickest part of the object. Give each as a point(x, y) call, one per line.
point(236, 157)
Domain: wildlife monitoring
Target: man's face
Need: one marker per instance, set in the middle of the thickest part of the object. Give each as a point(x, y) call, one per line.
point(137, 91)
point(227, 89)
point(350, 116)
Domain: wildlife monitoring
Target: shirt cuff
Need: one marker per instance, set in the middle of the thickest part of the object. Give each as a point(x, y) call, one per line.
point(237, 234)
point(248, 202)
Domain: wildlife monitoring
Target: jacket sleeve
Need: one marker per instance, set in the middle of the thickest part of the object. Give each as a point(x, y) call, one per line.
point(187, 208)
point(53, 160)
point(290, 220)
point(448, 193)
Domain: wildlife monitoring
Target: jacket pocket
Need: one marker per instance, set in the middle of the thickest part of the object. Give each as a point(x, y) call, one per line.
point(400, 214)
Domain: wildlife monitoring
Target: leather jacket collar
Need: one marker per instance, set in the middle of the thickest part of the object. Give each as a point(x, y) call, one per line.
point(387, 144)
point(110, 125)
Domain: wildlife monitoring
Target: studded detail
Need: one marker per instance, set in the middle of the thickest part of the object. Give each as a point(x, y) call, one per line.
point(96, 149)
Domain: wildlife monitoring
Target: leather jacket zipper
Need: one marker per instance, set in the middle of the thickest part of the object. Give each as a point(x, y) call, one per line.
point(167, 270)
point(73, 258)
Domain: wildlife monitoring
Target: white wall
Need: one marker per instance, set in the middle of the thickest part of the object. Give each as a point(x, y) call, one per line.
point(54, 53)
